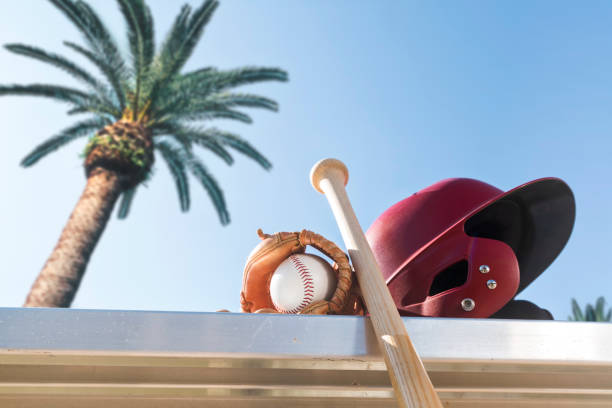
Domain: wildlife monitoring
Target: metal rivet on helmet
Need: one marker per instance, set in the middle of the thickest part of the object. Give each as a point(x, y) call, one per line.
point(491, 284)
point(484, 269)
point(468, 304)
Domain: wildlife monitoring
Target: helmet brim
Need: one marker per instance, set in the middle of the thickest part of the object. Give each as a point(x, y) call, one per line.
point(536, 219)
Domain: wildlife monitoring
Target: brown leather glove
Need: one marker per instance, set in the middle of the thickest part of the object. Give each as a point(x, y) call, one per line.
point(274, 249)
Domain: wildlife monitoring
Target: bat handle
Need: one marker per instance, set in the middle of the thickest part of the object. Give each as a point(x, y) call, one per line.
point(329, 176)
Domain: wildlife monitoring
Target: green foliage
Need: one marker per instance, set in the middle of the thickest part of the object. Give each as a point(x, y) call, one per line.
point(239, 144)
point(121, 148)
point(179, 45)
point(176, 164)
point(150, 88)
point(591, 313)
point(142, 43)
point(179, 159)
point(209, 183)
point(103, 48)
point(58, 61)
point(60, 93)
point(187, 136)
point(64, 137)
point(126, 201)
point(247, 100)
point(118, 94)
point(196, 91)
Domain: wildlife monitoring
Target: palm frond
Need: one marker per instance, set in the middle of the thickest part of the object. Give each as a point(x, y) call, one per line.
point(180, 43)
point(66, 136)
point(70, 10)
point(202, 114)
point(220, 80)
point(220, 114)
point(141, 39)
point(105, 45)
point(175, 161)
point(160, 75)
point(210, 185)
point(95, 108)
point(126, 202)
point(96, 32)
point(187, 135)
point(198, 72)
point(199, 171)
point(58, 61)
point(241, 145)
point(195, 107)
point(247, 100)
point(101, 43)
point(198, 20)
point(95, 105)
point(76, 111)
point(169, 129)
point(115, 81)
point(60, 93)
point(141, 34)
point(199, 84)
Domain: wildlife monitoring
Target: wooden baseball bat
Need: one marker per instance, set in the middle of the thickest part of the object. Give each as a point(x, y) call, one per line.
point(410, 381)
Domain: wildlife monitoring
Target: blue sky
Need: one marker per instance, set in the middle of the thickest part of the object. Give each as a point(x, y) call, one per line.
point(405, 93)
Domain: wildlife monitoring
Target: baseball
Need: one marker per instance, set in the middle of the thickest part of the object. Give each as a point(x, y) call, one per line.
point(300, 280)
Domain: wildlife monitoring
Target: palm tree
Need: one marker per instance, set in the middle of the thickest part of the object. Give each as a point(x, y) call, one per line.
point(143, 108)
point(591, 314)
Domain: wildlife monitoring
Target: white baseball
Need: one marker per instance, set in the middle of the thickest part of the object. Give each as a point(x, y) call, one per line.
point(301, 280)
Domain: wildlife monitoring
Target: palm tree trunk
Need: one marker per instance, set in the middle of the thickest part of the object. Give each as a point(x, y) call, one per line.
point(59, 279)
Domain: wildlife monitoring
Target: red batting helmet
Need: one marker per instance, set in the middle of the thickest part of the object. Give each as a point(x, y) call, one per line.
point(463, 248)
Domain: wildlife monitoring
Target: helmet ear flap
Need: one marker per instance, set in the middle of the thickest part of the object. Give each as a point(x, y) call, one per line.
point(454, 269)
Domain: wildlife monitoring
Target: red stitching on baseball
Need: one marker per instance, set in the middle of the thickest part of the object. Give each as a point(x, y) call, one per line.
point(307, 281)
point(308, 285)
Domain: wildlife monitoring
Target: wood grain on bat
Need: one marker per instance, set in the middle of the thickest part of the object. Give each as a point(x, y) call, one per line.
point(410, 381)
